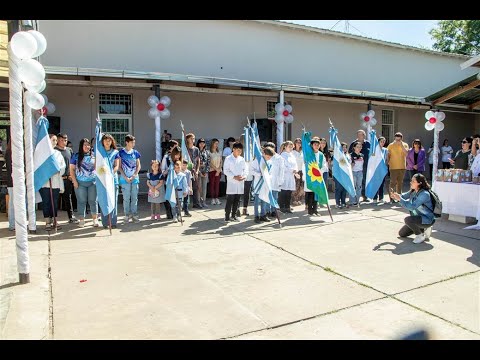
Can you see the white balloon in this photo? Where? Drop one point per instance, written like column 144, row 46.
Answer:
column 373, row 121
column 23, row 44
column 440, row 126
column 279, row 118
column 440, row 115
column 153, row 112
column 165, row 100
column 362, row 116
column 289, row 119
column 31, row 72
column 279, row 108
column 370, row 113
column 36, row 88
column 50, row 108
column 152, row 101
column 44, row 98
column 41, row 42
column 34, row 100
column 365, row 124
column 429, row 126
column 288, row 108
column 165, row 113
column 429, row 114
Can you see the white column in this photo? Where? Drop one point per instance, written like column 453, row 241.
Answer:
column 18, row 173
column 280, row 126
column 435, row 157
column 158, row 143
column 32, row 226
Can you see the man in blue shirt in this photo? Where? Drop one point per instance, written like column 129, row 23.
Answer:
column 129, row 180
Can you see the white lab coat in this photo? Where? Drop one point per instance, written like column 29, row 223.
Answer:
column 255, row 172
column 234, row 166
column 290, row 166
column 277, row 171
column 317, row 157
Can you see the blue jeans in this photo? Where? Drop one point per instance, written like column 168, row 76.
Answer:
column 11, row 212
column 340, row 193
column 114, row 211
column 86, row 192
column 47, row 202
column 275, row 196
column 262, row 204
column 130, row 198
column 357, row 181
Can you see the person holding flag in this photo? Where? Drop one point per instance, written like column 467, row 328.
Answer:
column 378, row 198
column 376, row 168
column 130, row 167
column 106, row 165
column 315, row 187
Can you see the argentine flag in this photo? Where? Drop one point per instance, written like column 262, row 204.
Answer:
column 376, row 168
column 342, row 168
column 44, row 164
column 170, row 191
column 185, row 154
column 263, row 187
column 247, row 148
column 105, row 183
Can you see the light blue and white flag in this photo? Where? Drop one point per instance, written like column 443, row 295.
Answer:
column 185, row 154
column 342, row 168
column 247, row 148
column 170, row 190
column 44, row 164
column 376, row 168
column 105, row 183
column 264, row 187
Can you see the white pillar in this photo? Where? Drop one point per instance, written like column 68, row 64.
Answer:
column 32, row 226
column 18, row 173
column 158, row 143
column 435, row 157
column 280, row 126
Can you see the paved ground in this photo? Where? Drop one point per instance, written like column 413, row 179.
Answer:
column 310, row 279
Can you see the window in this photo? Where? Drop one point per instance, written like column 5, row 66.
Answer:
column 388, row 125
column 116, row 115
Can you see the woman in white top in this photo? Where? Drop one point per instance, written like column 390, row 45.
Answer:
column 476, row 155
column 277, row 174
column 290, row 173
column 215, row 172
column 447, row 152
column 49, row 209
column 298, row 196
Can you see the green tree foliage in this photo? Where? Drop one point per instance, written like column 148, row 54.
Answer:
column 457, row 36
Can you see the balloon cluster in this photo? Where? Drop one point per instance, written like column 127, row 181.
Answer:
column 368, row 119
column 159, row 107
column 283, row 113
column 26, row 45
column 435, row 120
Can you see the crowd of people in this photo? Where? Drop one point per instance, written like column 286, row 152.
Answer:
column 287, row 174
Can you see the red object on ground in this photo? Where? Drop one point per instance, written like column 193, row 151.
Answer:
column 83, row 280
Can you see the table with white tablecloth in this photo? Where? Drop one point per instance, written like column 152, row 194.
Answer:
column 459, row 199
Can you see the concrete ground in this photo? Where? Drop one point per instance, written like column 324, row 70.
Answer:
column 310, row 279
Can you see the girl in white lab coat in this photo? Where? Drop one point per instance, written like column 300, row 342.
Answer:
column 290, row 172
column 236, row 171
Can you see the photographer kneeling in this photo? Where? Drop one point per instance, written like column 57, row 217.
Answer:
column 419, row 203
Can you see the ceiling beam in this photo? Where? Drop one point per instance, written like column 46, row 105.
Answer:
column 474, row 105
column 456, row 92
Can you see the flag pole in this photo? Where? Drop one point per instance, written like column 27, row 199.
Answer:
column 110, row 223
column 329, row 211
column 53, row 206
column 278, row 217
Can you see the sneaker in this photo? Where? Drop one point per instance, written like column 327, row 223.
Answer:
column 265, row 218
column 257, row 220
column 218, row 201
column 380, row 203
column 419, row 238
column 153, row 217
column 213, row 202
column 81, row 223
column 175, row 219
column 125, row 219
column 245, row 212
column 338, row 206
column 187, row 213
column 227, row 219
column 428, row 232
column 157, row 217
column 73, row 221
column 204, row 204
column 375, row 201
column 95, row 222
column 234, row 218
column 135, row 219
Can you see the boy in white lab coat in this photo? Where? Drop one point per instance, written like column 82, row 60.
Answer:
column 236, row 171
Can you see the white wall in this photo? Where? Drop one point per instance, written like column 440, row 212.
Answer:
column 249, row 51
column 221, row 116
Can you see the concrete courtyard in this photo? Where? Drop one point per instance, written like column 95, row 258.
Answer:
column 310, row 279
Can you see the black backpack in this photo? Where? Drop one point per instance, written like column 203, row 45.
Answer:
column 437, row 204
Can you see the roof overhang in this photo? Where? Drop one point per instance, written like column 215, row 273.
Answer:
column 474, row 61
column 465, row 94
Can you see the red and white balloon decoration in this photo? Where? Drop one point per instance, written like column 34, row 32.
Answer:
column 159, row 107
column 435, row 120
column 368, row 119
column 283, row 113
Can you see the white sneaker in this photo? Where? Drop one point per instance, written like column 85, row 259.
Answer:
column 213, row 202
column 175, row 219
column 380, row 203
column 135, row 219
column 95, row 222
column 81, row 223
column 125, row 219
column 419, row 239
column 428, row 232
column 218, row 202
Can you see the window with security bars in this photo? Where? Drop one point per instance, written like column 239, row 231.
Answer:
column 116, row 115
column 388, row 125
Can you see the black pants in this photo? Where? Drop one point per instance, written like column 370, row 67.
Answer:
column 246, row 193
column 379, row 194
column 67, row 197
column 431, row 171
column 232, row 205
column 446, row 165
column 312, row 205
column 284, row 199
column 413, row 225
column 168, row 209
column 364, row 179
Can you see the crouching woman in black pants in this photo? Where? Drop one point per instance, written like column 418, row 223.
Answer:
column 419, row 203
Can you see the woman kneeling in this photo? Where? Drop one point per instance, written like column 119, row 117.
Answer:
column 419, row 203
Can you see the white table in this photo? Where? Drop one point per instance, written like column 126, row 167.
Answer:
column 459, row 199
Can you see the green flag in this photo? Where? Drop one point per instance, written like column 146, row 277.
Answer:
column 314, row 176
